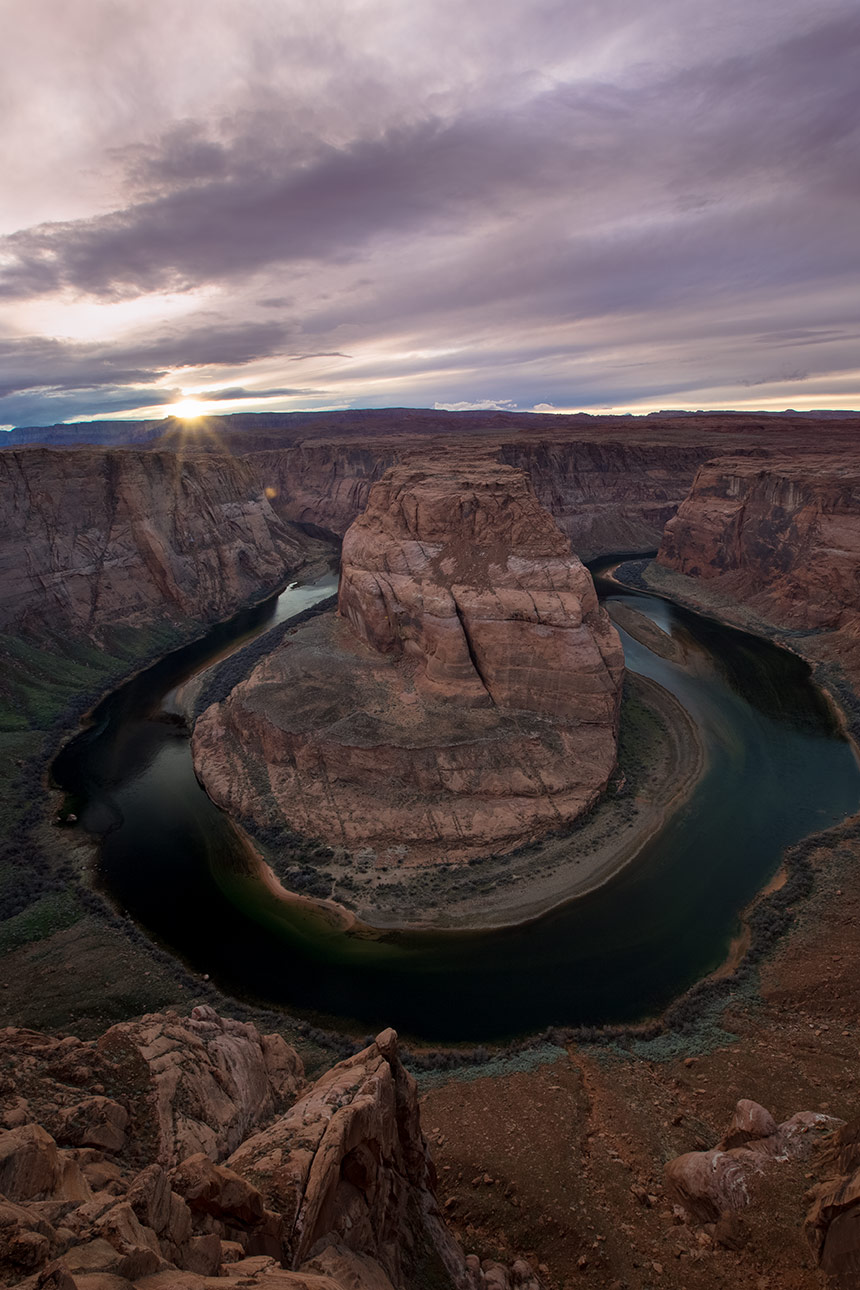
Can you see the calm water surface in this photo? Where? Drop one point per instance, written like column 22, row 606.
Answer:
column 777, row 770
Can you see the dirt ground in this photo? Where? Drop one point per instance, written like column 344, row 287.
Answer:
column 563, row 1164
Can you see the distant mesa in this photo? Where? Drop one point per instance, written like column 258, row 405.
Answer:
column 465, row 701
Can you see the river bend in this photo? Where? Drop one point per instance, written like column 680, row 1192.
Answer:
column 778, row 769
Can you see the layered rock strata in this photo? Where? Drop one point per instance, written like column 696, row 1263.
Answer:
column 334, row 1189
column 782, row 535
column 99, row 537
column 781, row 538
column 467, row 699
column 605, row 496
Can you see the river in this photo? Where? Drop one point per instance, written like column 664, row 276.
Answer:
column 778, row 769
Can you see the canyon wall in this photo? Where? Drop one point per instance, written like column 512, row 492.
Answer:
column 781, row 535
column 610, row 495
column 99, row 537
column 322, row 484
column 605, row 496
column 465, row 702
column 200, row 521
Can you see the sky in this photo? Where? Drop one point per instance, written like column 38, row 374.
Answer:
column 586, row 205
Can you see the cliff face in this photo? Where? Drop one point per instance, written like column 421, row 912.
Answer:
column 466, row 702
column 324, row 484
column 781, row 535
column 98, row 537
column 461, row 569
column 605, row 496
column 611, row 495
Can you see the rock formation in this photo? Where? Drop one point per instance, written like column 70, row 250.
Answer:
column 714, row 1185
column 833, row 1222
column 780, row 535
column 95, row 538
column 334, row 1190
column 466, row 701
column 615, row 495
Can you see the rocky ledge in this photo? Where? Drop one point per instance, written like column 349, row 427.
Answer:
column 465, row 701
column 187, row 1153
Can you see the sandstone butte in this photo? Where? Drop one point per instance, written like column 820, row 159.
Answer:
column 466, row 699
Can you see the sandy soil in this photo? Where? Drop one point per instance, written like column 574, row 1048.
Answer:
column 642, row 629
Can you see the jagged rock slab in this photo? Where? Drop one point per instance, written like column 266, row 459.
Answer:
column 334, row 1189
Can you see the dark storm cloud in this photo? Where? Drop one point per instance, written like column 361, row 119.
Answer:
column 34, row 362
column 238, row 393
column 499, row 203
column 214, row 342
column 703, row 135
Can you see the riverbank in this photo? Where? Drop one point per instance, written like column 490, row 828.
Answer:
column 661, row 760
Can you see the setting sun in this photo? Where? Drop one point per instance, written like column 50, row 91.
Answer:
column 187, row 409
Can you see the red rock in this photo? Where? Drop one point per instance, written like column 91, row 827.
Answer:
column 93, row 537
column 346, row 1173
column 709, row 1184
column 208, row 1188
column 347, row 1269
column 213, row 1078
column 150, row 1197
column 490, row 682
column 833, row 1222
column 95, row 1122
column 750, row 1120
column 780, row 534
column 31, row 1167
column 349, row 1160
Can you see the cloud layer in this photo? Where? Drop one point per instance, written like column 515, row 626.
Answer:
column 519, row 204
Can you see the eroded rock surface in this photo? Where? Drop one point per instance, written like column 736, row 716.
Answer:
column 467, row 700
column 94, row 538
column 781, row 534
column 833, row 1222
column 334, row 1191
column 714, row 1185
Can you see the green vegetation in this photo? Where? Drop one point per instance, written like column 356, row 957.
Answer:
column 641, row 734
column 41, row 681
column 46, row 915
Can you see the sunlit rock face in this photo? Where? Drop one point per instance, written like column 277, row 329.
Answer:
column 465, row 701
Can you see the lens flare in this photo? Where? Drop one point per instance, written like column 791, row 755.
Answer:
column 187, row 409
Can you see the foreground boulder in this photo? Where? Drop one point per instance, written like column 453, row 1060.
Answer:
column 833, row 1222
column 713, row 1186
column 332, row 1190
column 489, row 682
